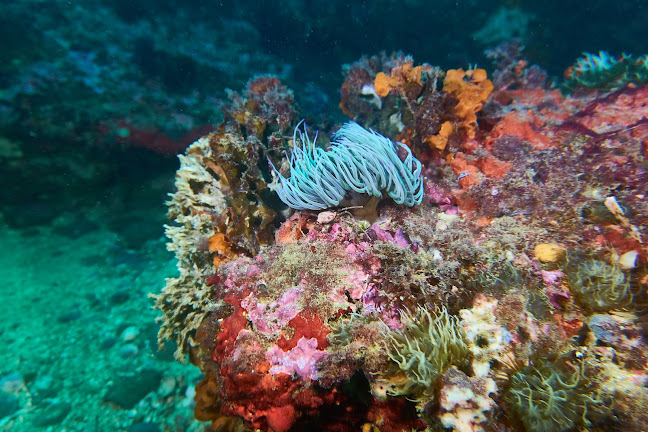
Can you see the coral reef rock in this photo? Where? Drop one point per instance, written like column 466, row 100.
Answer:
column 511, row 296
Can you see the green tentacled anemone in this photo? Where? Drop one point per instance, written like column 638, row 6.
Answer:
column 429, row 342
column 548, row 398
column 600, row 286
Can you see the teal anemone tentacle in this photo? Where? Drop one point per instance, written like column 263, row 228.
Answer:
column 359, row 160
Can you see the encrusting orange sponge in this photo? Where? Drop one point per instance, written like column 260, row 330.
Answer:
column 400, row 76
column 220, row 244
column 471, row 88
column 440, row 140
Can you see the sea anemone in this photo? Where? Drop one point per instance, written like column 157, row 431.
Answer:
column 546, row 398
column 605, row 71
column 359, row 160
column 600, row 286
column 428, row 343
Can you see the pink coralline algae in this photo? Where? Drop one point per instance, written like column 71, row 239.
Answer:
column 271, row 317
column 302, row 360
column 551, row 278
column 443, row 199
column 398, row 237
column 557, row 294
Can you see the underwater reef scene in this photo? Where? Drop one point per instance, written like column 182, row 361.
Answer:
column 486, row 273
column 323, row 216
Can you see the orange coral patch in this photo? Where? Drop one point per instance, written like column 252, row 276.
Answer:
column 220, row 244
column 263, row 84
column 470, row 171
column 622, row 111
column 440, row 140
column 405, row 137
column 461, row 166
column 464, row 201
column 478, row 75
column 471, row 88
column 281, row 419
column 484, row 222
column 382, row 83
column 400, row 75
column 293, row 229
column 515, row 125
column 493, row 168
column 571, row 327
